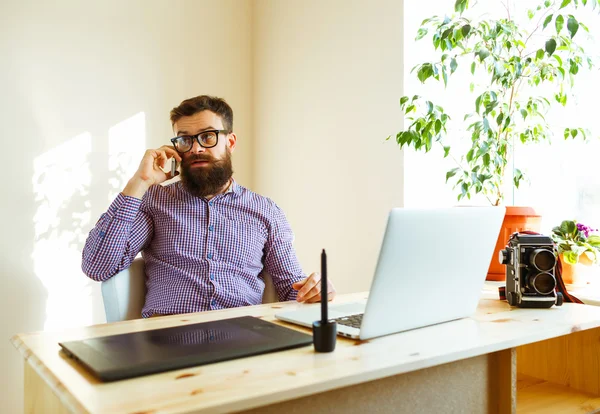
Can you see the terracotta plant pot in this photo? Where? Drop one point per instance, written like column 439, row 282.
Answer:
column 579, row 274
column 516, row 219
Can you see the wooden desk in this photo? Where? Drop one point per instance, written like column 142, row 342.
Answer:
column 468, row 365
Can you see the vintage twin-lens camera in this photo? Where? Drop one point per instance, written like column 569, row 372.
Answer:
column 530, row 261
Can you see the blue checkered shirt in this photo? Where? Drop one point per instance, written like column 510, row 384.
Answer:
column 199, row 254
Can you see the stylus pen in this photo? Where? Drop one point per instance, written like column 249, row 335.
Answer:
column 323, row 287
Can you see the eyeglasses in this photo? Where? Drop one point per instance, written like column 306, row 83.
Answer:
column 206, row 139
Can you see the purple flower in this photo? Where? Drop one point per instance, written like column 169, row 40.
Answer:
column 586, row 230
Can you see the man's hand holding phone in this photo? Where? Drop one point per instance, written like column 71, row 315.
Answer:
column 151, row 171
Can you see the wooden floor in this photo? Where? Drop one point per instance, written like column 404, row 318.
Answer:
column 539, row 396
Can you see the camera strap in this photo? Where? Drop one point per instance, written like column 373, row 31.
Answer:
column 560, row 284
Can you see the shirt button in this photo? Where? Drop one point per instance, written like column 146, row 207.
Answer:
column 210, row 203
column 211, row 227
column 210, row 255
column 212, row 277
column 213, row 302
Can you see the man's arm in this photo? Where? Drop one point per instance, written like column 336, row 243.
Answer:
column 282, row 264
column 281, row 261
column 125, row 228
column 116, row 239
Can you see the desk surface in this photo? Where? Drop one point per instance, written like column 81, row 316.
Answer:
column 266, row 379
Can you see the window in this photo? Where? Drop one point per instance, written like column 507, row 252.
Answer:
column 562, row 179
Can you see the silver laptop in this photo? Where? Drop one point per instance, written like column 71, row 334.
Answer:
column 431, row 269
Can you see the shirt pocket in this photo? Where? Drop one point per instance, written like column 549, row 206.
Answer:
column 242, row 243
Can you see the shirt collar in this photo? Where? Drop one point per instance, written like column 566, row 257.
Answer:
column 234, row 187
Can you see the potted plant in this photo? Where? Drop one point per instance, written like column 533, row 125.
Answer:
column 512, row 61
column 578, row 250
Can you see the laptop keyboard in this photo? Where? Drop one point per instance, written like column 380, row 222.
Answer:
column 353, row 320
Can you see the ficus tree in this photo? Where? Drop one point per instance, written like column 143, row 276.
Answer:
column 515, row 60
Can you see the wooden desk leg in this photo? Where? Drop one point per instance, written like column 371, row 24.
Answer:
column 503, row 381
column 39, row 398
column 483, row 384
column 572, row 360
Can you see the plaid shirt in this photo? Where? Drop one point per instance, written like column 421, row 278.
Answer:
column 199, row 254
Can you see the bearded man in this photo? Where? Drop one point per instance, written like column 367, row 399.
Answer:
column 205, row 239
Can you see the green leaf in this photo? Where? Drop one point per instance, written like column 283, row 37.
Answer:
column 486, row 159
column 547, row 20
column 421, row 34
column 572, row 26
column 453, row 65
column 559, row 23
column 425, row 72
column 403, row 100
column 539, row 54
column 518, row 176
column 461, row 5
column 573, row 133
column 445, row 76
column 570, row 257
column 429, row 106
column 567, row 132
column 482, row 53
column 565, row 3
column 446, row 152
column 451, row 173
column 478, row 103
column 438, row 126
column 465, row 30
column 499, row 69
column 568, row 227
column 594, row 240
column 470, row 155
column 499, row 118
column 550, row 46
column 524, row 113
column 486, row 124
column 558, row 59
column 473, row 68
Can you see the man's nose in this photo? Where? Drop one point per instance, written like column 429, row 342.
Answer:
column 197, row 148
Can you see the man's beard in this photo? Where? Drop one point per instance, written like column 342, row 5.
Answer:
column 209, row 179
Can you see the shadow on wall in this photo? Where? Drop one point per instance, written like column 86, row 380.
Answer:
column 62, row 178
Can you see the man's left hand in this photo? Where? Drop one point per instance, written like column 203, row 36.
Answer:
column 309, row 289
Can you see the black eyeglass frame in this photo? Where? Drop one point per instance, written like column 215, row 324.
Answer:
column 197, row 138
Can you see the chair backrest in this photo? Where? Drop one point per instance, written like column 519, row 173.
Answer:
column 124, row 294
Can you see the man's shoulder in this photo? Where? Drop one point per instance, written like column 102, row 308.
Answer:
column 250, row 197
column 161, row 192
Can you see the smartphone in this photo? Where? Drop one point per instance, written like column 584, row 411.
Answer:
column 173, row 167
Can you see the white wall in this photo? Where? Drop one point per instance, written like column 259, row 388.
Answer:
column 327, row 82
column 84, row 88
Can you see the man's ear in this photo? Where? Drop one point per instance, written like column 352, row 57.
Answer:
column 231, row 141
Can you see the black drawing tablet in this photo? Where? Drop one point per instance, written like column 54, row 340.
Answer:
column 134, row 354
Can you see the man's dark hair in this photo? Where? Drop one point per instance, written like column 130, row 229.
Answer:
column 201, row 103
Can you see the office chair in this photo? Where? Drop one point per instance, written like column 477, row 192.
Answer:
column 124, row 294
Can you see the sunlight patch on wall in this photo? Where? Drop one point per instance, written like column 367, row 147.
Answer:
column 126, row 146
column 61, row 180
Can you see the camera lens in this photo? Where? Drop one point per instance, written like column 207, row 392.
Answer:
column 543, row 283
column 543, row 260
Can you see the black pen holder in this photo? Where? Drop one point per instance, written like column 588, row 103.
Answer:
column 324, row 336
